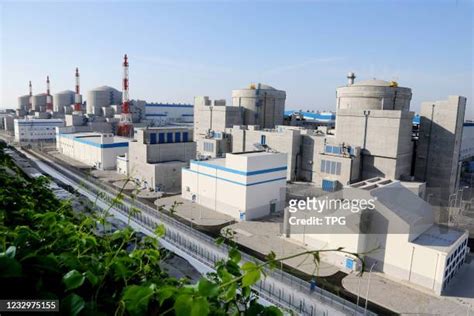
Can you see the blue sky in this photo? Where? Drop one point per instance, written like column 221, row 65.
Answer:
column 178, row 50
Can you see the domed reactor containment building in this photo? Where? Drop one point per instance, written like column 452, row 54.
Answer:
column 375, row 115
column 262, row 105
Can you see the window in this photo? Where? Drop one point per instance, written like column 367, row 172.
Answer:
column 153, row 138
column 263, row 140
column 185, row 137
column 177, row 137
column 332, row 149
column 208, row 147
column 169, row 137
column 161, row 138
column 331, row 167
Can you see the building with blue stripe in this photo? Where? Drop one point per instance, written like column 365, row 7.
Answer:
column 165, row 113
column 92, row 149
column 245, row 186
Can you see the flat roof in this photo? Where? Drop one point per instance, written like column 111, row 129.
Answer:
column 252, row 153
column 439, row 237
column 214, row 162
column 94, row 139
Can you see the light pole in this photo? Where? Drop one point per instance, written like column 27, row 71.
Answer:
column 368, row 287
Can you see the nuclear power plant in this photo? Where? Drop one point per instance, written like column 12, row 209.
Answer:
column 244, row 161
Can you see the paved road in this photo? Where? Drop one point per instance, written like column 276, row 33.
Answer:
column 201, row 251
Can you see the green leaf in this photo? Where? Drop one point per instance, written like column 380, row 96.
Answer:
column 73, row 279
column 219, row 240
column 160, row 230
column 207, row 288
column 9, row 267
column 183, row 305
column 272, row 264
column 234, row 255
column 251, row 277
column 165, row 292
column 137, row 298
column 199, row 307
column 252, row 274
column 272, row 311
column 10, row 252
column 91, row 277
column 249, row 266
column 73, row 304
column 229, row 294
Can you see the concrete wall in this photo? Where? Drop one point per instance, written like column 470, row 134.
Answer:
column 285, row 140
column 439, row 146
column 261, row 104
column 214, row 116
column 387, row 138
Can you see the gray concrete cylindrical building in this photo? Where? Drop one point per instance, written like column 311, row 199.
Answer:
column 62, row 99
column 39, row 102
column 373, row 95
column 24, row 102
column 100, row 97
column 263, row 105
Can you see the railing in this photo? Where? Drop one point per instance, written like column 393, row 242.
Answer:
column 203, row 248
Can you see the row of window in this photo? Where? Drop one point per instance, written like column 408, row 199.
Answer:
column 169, row 137
column 454, row 262
column 338, row 150
column 208, row 147
column 331, row 167
column 457, row 251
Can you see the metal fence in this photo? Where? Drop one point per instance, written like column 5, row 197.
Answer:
column 297, row 297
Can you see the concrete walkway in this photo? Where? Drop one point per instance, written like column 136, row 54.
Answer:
column 193, row 212
column 264, row 237
column 407, row 300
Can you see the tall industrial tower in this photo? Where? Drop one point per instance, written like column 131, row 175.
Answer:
column 77, row 96
column 125, row 126
column 30, row 100
column 49, row 100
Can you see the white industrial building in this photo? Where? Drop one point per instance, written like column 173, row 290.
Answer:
column 245, row 186
column 34, row 130
column 93, row 149
column 157, row 155
column 399, row 234
column 165, row 113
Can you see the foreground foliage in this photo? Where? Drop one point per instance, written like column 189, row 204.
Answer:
column 48, row 251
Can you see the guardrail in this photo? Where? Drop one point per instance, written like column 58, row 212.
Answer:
column 272, row 288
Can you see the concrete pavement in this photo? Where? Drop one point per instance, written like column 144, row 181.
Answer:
column 405, row 299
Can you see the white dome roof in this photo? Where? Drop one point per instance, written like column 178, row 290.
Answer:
column 373, row 82
column 65, row 92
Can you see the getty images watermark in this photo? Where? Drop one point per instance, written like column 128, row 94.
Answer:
column 331, row 206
